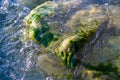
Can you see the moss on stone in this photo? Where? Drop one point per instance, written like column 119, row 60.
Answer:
column 67, row 44
column 65, row 31
column 32, row 33
column 40, row 12
column 46, row 38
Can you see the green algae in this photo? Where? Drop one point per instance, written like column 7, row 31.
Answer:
column 65, row 45
column 75, row 44
column 40, row 12
column 32, row 33
column 66, row 37
column 46, row 38
column 103, row 69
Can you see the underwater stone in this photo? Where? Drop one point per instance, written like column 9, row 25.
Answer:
column 71, row 29
column 71, row 41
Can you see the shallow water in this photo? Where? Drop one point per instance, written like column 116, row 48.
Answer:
column 17, row 58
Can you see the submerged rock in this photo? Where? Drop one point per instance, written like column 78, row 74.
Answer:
column 49, row 66
column 101, row 61
column 66, row 44
column 66, row 30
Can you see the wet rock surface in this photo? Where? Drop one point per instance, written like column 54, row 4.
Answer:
column 84, row 38
column 101, row 61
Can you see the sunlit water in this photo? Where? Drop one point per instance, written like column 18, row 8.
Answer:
column 17, row 58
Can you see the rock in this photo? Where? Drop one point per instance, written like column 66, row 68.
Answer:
column 67, row 31
column 101, row 61
column 67, row 44
column 50, row 65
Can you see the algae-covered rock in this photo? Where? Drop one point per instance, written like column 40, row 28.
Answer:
column 67, row 48
column 65, row 38
column 66, row 30
column 102, row 59
column 40, row 12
